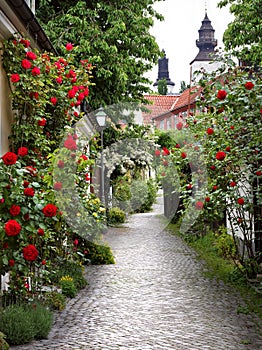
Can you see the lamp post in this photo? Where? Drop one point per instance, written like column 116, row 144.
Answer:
column 101, row 120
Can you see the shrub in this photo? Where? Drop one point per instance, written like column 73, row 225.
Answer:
column 150, row 197
column 116, row 216
column 55, row 300
column 72, row 269
column 3, row 343
column 42, row 319
column 22, row 323
column 68, row 286
column 99, row 254
column 226, row 246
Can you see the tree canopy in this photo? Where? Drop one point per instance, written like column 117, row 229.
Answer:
column 114, row 36
column 244, row 34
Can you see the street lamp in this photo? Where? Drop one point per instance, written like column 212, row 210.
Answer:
column 101, row 120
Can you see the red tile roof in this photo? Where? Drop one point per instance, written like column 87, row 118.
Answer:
column 160, row 104
column 187, row 98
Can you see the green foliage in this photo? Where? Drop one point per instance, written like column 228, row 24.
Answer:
column 226, row 245
column 68, row 286
column 22, row 323
column 54, row 300
column 73, row 270
column 115, row 38
column 162, row 87
column 3, row 344
column 243, row 35
column 143, row 195
column 116, row 216
column 99, row 253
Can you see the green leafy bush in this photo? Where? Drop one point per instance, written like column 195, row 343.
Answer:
column 99, row 253
column 22, row 323
column 72, row 269
column 226, row 246
column 68, row 287
column 116, row 216
column 55, row 300
column 143, row 195
column 3, row 344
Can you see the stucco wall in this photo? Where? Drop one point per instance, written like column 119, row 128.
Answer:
column 5, row 110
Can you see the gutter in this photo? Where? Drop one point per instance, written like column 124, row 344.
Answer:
column 24, row 13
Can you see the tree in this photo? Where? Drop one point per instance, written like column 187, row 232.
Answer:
column 243, row 35
column 183, row 86
column 162, row 87
column 114, row 37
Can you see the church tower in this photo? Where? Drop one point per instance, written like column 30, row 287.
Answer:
column 163, row 73
column 206, row 45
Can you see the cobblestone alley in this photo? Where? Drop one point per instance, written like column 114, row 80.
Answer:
column 155, row 297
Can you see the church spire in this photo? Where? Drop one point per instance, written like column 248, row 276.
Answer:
column 163, row 72
column 206, row 42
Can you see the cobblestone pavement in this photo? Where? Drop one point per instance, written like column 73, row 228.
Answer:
column 155, row 297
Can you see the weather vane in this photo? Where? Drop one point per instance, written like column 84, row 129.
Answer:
column 205, row 5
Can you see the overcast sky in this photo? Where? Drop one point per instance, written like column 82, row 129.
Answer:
column 178, row 33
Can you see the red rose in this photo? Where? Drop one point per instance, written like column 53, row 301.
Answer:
column 177, row 145
column 215, row 188
column 30, row 252
column 5, row 245
column 9, row 158
column 12, row 228
column 232, row 127
column 232, row 184
column 36, row 71
column 199, row 205
column 22, row 151
column 249, row 85
column 212, row 167
column 41, row 122
column 69, row 47
column 15, row 78
column 81, row 158
column 183, row 155
column 26, row 183
column 76, row 242
column 179, row 126
column 31, row 55
column 34, row 94
column 60, row 164
column 258, row 173
column 15, row 210
column 59, row 80
column 26, row 217
column 53, row 100
column 76, row 114
column 81, row 96
column 70, row 144
column 71, row 93
column 165, row 152
column 49, row 210
column 228, row 149
column 25, row 42
column 40, row 232
column 221, row 94
column 210, row 131
column 86, row 92
column 87, row 177
column 29, row 192
column 43, row 262
column 26, row 64
column 31, row 170
column 220, row 155
column 241, row 201
column 207, row 199
column 189, row 186
column 58, row 186
column 11, row 262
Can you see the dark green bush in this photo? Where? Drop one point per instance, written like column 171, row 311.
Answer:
column 54, row 300
column 72, row 269
column 99, row 253
column 22, row 323
column 116, row 216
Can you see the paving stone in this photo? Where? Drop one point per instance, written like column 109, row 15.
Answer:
column 155, row 297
